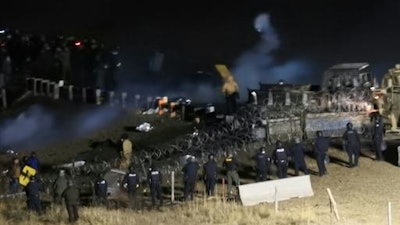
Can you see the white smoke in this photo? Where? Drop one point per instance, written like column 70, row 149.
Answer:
column 37, row 127
column 259, row 65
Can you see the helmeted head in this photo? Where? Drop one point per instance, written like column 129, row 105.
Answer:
column 70, row 183
column 278, row 144
column 349, row 126
column 33, row 178
column 262, row 150
column 152, row 167
column 61, row 173
column 211, row 156
column 319, row 133
column 124, row 136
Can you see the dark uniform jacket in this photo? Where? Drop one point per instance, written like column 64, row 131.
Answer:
column 132, row 181
column 210, row 170
column 101, row 186
column 263, row 161
column 190, row 171
column 230, row 163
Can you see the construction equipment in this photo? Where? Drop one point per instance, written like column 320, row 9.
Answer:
column 387, row 97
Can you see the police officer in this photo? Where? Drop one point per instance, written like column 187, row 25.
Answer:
column 131, row 184
column 210, row 175
column 190, row 171
column 59, row 185
column 263, row 163
column 32, row 191
column 377, row 135
column 351, row 144
column 154, row 179
column 231, row 165
column 100, row 190
column 280, row 157
column 71, row 198
column 297, row 152
column 321, row 146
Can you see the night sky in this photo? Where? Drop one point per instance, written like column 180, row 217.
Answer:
column 315, row 34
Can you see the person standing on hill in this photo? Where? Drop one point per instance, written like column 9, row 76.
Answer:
column 131, row 184
column 32, row 191
column 321, row 146
column 154, row 178
column 351, row 144
column 190, row 171
column 13, row 174
column 231, row 165
column 280, row 157
column 231, row 91
column 377, row 135
column 263, row 164
column 33, row 161
column 210, row 169
column 59, row 186
column 126, row 152
column 71, row 198
column 297, row 152
column 100, row 190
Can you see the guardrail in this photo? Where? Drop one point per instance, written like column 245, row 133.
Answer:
column 57, row 90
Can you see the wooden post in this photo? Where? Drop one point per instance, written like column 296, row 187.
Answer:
column 124, row 95
column 172, row 187
column 149, row 100
column 389, row 213
column 398, row 155
column 270, row 98
column 27, row 80
column 41, row 87
column 56, row 91
column 4, row 98
column 98, row 97
column 46, row 87
column 254, row 95
column 304, row 99
column 71, row 92
column 35, row 80
column 111, row 98
column 137, row 99
column 333, row 204
column 287, row 99
column 276, row 199
column 84, row 97
column 223, row 188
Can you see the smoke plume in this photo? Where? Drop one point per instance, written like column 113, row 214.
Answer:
column 259, row 65
column 38, row 126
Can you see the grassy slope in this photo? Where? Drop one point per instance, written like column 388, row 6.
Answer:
column 362, row 193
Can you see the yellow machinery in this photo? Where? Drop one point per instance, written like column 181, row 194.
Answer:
column 387, row 98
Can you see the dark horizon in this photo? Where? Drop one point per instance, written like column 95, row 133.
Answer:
column 313, row 35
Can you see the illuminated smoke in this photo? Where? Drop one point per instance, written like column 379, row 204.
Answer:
column 259, row 65
column 37, row 127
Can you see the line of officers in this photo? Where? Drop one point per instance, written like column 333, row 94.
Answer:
column 280, row 157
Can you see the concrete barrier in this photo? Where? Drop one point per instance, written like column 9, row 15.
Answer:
column 275, row 190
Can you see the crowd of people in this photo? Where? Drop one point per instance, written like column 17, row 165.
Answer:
column 82, row 62
column 66, row 193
